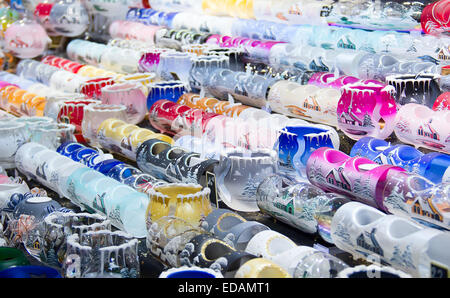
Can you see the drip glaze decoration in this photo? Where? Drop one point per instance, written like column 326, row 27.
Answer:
column 93, row 88
column 261, row 268
column 421, row 89
column 420, row 126
column 296, row 143
column 72, row 112
column 169, row 90
column 48, row 241
column 367, row 110
column 301, row 205
column 358, row 177
column 239, row 174
column 433, row 166
column 407, row 246
column 186, row 201
column 167, row 237
column 101, row 254
column 202, row 68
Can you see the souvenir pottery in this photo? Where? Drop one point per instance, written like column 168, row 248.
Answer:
column 30, row 272
column 52, row 135
column 93, row 191
column 14, row 135
column 433, row 166
column 261, row 268
column 125, row 139
column 205, row 251
column 235, row 56
column 69, row 18
column 268, row 244
column 9, row 188
column 150, row 59
column 220, row 221
column 12, row 257
column 358, row 177
column 296, row 143
column 238, row 176
column 442, row 102
column 415, row 197
column 175, row 66
column 420, row 126
column 372, row 271
column 38, row 207
column 249, row 89
column 203, row 67
column 167, row 237
column 190, row 272
column 433, row 18
column 129, row 94
column 300, row 205
column 44, row 165
column 101, row 254
column 120, row 60
column 421, row 89
column 367, row 110
column 307, row 102
column 54, row 103
column 155, row 156
column 95, row 114
column 169, row 90
column 93, row 88
column 72, row 112
column 185, row 201
column 26, row 39
column 240, row 234
column 66, row 81
column 62, row 63
column 51, row 236
column 407, row 246
column 307, row 262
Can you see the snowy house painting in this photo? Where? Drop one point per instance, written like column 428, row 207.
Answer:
column 337, row 178
column 289, row 207
column 444, row 54
column 426, row 208
column 371, row 244
column 346, row 43
column 311, row 104
column 428, row 132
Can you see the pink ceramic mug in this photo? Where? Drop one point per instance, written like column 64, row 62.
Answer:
column 130, row 95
